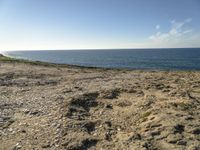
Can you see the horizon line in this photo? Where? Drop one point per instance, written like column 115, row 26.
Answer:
column 99, row 49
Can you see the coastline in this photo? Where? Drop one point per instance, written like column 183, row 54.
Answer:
column 9, row 59
column 55, row 106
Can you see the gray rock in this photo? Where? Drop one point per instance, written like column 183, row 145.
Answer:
column 196, row 131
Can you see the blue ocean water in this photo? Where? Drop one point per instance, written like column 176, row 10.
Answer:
column 162, row 59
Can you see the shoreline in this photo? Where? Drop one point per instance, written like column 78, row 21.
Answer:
column 10, row 59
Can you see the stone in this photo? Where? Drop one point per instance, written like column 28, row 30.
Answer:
column 174, row 138
column 196, row 131
column 178, row 128
column 181, row 142
column 110, row 94
column 17, row 146
column 109, row 106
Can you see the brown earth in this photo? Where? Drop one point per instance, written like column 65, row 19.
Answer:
column 77, row 108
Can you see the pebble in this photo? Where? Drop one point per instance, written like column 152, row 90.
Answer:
column 53, row 124
column 181, row 142
column 10, row 129
column 95, row 134
column 196, row 131
column 109, row 106
column 23, row 131
column 58, row 126
column 1, row 119
column 26, row 111
column 17, row 146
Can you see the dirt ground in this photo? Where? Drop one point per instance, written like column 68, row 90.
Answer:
column 74, row 108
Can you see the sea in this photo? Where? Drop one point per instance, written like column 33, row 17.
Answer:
column 142, row 59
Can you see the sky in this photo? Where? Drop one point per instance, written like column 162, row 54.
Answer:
column 98, row 24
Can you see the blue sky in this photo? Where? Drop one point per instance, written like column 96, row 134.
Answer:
column 83, row 24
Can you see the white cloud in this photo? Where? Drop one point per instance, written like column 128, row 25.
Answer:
column 177, row 32
column 188, row 20
column 157, row 27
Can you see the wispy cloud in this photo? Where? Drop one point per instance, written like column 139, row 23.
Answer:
column 176, row 31
column 157, row 26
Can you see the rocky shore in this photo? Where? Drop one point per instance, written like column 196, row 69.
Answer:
column 64, row 107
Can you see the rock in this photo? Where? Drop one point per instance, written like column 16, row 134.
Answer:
column 156, row 125
column 46, row 145
column 135, row 136
column 196, row 131
column 1, row 119
column 124, row 104
column 174, row 138
column 79, row 106
column 10, row 129
column 109, row 106
column 194, row 146
column 26, row 111
column 67, row 91
column 149, row 100
column 110, row 94
column 178, row 128
column 145, row 145
column 17, row 147
column 89, row 126
column 23, row 131
column 54, row 124
column 155, row 133
column 181, row 143
column 108, row 136
column 78, row 144
column 58, row 126
column 35, row 113
column 56, row 145
column 108, row 123
column 189, row 118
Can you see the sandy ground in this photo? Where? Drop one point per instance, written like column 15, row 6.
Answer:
column 80, row 108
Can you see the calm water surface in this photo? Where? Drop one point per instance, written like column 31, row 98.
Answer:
column 162, row 59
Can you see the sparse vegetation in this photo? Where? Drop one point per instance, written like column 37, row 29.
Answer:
column 145, row 115
column 182, row 105
column 14, row 60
